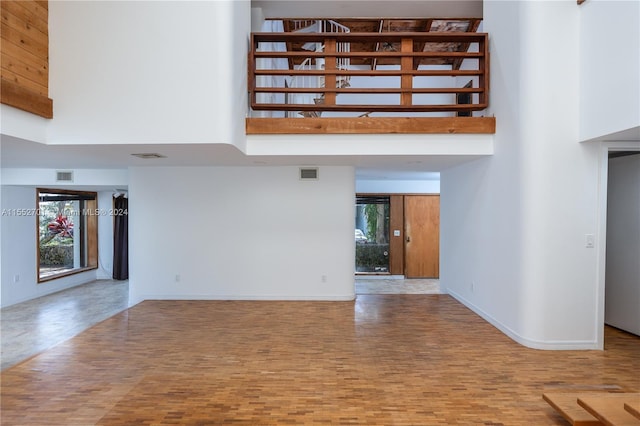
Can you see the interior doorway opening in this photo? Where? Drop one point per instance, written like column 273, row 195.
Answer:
column 397, row 235
column 622, row 272
column 604, row 236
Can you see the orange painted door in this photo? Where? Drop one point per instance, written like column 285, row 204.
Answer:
column 422, row 236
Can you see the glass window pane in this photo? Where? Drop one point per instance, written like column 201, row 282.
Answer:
column 372, row 234
column 66, row 223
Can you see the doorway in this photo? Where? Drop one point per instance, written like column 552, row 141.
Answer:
column 398, row 235
column 602, row 237
column 622, row 275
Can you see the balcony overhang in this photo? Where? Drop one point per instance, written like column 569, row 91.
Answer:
column 372, row 125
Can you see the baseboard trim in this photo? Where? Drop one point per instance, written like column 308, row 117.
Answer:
column 557, row 345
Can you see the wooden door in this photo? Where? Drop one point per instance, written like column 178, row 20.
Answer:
column 422, row 236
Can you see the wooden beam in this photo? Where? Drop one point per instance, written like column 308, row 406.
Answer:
column 395, row 37
column 326, row 54
column 473, row 27
column 371, row 125
column 369, row 107
column 422, row 44
column 366, row 90
column 18, row 97
column 367, row 73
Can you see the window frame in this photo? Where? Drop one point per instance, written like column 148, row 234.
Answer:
column 89, row 216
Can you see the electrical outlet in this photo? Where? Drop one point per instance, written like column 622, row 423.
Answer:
column 473, row 286
column 323, row 278
column 590, row 241
column 16, row 278
column 177, row 278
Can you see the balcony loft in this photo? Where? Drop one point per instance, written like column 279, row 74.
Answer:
column 338, row 81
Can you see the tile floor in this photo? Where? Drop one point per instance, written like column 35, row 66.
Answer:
column 32, row 327
column 382, row 285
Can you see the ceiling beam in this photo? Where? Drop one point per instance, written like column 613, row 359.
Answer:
column 473, row 27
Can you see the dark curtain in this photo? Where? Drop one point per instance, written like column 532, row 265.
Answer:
column 121, row 238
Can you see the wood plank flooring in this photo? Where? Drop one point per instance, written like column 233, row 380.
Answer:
column 381, row 360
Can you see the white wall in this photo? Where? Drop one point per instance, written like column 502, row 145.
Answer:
column 396, row 186
column 622, row 297
column 480, row 202
column 19, row 269
column 147, row 72
column 19, row 232
column 469, row 145
column 241, row 232
column 514, row 225
column 235, row 103
column 609, row 67
column 22, row 124
column 82, row 178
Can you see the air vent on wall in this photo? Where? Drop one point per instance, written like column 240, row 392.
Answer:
column 64, row 176
column 308, row 173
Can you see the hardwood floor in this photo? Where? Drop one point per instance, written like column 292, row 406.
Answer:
column 381, row 360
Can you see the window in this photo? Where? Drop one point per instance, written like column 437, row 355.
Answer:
column 372, row 234
column 67, row 228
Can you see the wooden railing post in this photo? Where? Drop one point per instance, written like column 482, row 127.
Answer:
column 251, row 76
column 330, row 65
column 406, row 66
column 483, row 65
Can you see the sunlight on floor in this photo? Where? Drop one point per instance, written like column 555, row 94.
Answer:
column 383, row 285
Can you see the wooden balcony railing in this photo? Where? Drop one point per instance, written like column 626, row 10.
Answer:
column 405, row 72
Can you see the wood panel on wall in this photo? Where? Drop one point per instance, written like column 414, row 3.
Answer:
column 92, row 234
column 24, row 62
column 396, row 243
column 422, row 236
column 369, row 125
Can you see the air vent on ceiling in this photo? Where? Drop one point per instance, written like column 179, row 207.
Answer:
column 149, row 155
column 64, row 176
column 308, row 173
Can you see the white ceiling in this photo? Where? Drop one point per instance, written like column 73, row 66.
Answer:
column 19, row 153
column 367, row 9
